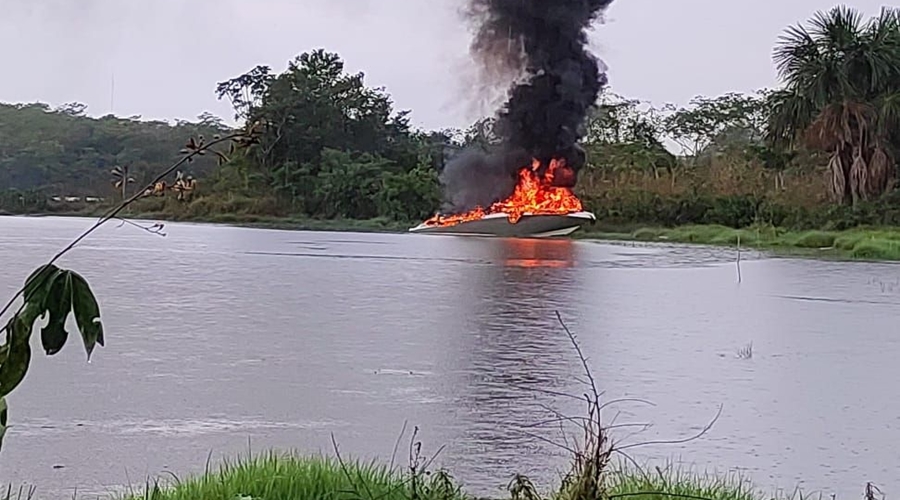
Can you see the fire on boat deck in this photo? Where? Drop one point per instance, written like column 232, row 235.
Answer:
column 498, row 224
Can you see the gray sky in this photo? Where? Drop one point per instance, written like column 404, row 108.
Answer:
column 168, row 55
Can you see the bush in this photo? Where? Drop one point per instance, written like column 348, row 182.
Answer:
column 876, row 249
column 741, row 211
column 815, row 239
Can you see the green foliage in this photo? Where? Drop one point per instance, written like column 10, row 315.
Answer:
column 276, row 476
column 411, row 195
column 63, row 152
column 842, row 97
column 345, row 187
column 334, row 148
column 623, row 133
column 669, row 483
column 857, row 243
column 56, row 294
column 728, row 121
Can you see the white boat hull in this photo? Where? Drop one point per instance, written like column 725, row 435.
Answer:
column 533, row 226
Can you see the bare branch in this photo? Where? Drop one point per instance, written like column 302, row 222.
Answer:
column 587, row 370
column 156, row 228
column 678, row 441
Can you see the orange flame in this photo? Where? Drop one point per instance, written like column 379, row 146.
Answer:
column 534, row 195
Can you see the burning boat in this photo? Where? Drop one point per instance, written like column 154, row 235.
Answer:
column 537, row 208
column 519, row 180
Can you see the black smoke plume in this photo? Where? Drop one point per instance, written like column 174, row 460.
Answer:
column 545, row 42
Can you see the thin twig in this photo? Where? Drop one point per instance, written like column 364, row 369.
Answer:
column 346, row 471
column 547, row 391
column 574, row 340
column 678, row 441
column 581, row 420
column 550, row 441
column 397, row 444
column 626, row 400
column 156, row 228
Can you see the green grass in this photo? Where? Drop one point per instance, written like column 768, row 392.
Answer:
column 276, row 476
column 672, row 484
column 864, row 243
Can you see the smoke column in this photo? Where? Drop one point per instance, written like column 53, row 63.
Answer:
column 545, row 43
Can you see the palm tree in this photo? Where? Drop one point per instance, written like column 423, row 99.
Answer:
column 841, row 96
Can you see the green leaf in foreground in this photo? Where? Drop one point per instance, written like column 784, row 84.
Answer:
column 55, row 293
column 57, row 301
column 17, row 350
column 38, row 282
column 87, row 313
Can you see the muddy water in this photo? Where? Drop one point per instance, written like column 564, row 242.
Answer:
column 222, row 340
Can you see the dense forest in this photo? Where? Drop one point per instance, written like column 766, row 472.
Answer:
column 64, row 152
column 819, row 150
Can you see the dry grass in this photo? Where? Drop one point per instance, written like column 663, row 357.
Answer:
column 720, row 176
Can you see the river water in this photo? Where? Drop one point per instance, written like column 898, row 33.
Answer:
column 223, row 341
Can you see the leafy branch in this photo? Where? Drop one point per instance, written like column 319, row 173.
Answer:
column 54, row 293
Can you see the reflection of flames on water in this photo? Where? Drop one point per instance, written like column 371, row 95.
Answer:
column 538, row 253
column 535, row 194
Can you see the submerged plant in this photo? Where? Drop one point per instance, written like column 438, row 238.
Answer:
column 745, row 352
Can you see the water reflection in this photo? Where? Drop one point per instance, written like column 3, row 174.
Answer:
column 529, row 252
column 512, row 353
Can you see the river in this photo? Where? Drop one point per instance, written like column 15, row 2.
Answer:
column 223, row 341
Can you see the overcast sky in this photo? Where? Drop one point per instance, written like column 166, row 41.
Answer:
column 166, row 56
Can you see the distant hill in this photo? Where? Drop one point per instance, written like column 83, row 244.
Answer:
column 63, row 152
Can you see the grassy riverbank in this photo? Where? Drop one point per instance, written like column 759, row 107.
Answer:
column 290, row 477
column 248, row 220
column 865, row 243
column 287, row 223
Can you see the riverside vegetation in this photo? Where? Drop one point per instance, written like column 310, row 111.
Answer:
column 320, row 145
column 817, row 154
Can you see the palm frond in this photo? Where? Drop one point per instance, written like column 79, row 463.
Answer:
column 789, row 114
column 838, row 29
column 880, row 171
column 888, row 109
column 795, row 50
column 859, row 178
column 837, row 181
column 880, row 57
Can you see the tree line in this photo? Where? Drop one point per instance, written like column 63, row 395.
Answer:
column 332, row 147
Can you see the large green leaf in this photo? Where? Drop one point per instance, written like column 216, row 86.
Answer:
column 56, row 293
column 18, row 356
column 87, row 312
column 58, row 303
column 38, row 283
